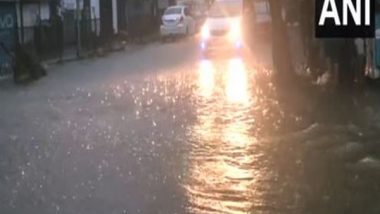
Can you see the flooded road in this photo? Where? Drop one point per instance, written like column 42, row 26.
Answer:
column 222, row 167
column 147, row 132
column 251, row 152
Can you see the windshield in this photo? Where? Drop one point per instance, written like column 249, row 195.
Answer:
column 226, row 9
column 173, row 10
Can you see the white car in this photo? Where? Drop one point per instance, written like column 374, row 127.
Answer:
column 222, row 29
column 177, row 20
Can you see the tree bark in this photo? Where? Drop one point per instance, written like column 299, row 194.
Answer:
column 281, row 55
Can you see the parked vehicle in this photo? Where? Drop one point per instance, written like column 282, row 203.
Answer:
column 177, row 21
column 222, row 30
column 198, row 9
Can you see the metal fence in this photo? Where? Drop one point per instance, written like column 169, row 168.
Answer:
column 5, row 57
column 52, row 37
column 49, row 39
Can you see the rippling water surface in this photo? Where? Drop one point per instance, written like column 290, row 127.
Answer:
column 187, row 136
column 247, row 152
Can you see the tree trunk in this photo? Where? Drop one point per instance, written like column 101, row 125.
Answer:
column 311, row 48
column 282, row 62
column 86, row 24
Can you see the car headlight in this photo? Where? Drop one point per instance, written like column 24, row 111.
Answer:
column 235, row 30
column 205, row 32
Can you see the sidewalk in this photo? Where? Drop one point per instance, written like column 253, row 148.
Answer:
column 70, row 54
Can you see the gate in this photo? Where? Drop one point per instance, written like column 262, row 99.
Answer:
column 8, row 36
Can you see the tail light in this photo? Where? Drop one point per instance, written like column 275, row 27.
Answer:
column 181, row 19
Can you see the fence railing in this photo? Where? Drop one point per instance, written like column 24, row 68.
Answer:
column 7, row 41
column 51, row 40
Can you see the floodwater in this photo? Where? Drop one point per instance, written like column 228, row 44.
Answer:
column 182, row 134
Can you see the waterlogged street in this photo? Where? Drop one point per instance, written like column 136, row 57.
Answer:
column 156, row 129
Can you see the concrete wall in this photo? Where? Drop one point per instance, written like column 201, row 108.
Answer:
column 33, row 12
column 95, row 10
column 72, row 5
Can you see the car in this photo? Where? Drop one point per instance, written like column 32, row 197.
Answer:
column 177, row 21
column 222, row 30
column 197, row 9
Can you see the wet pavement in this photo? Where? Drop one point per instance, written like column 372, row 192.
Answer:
column 159, row 130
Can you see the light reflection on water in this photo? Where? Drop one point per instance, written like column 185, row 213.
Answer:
column 206, row 80
column 237, row 82
column 221, row 177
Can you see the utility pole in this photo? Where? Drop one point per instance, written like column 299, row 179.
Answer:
column 21, row 5
column 78, row 12
column 86, row 24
